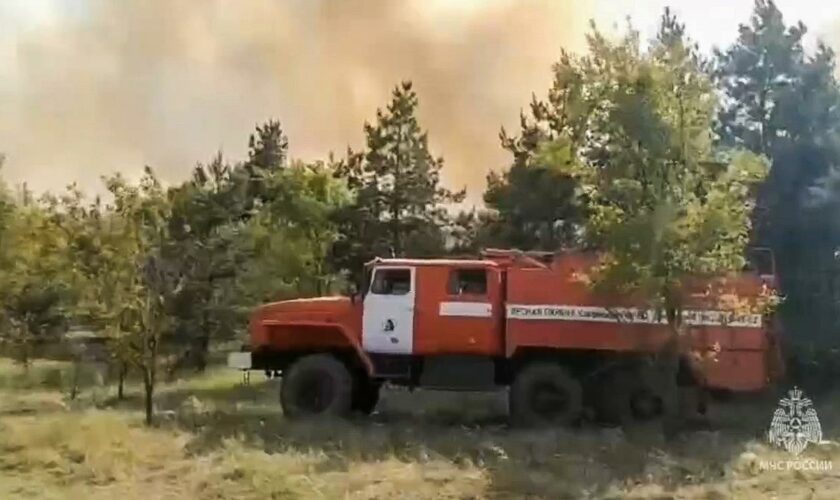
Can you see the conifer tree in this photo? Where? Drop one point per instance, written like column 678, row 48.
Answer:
column 400, row 206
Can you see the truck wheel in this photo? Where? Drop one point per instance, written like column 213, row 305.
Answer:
column 624, row 395
column 317, row 384
column 646, row 400
column 366, row 396
column 613, row 396
column 646, row 404
column 544, row 394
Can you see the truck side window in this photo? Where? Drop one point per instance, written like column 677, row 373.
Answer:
column 391, row 282
column 468, row 282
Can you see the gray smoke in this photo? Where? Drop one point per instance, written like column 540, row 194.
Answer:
column 117, row 85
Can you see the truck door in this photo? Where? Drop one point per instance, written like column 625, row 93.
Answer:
column 459, row 315
column 388, row 315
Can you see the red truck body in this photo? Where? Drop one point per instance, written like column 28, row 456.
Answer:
column 472, row 323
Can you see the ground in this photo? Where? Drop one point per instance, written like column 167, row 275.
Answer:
column 217, row 438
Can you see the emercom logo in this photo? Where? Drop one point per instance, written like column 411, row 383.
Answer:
column 795, row 423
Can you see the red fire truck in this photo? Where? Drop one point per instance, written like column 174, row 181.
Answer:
column 526, row 321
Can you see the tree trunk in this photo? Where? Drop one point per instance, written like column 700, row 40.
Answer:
column 149, row 372
column 24, row 351
column 121, row 382
column 201, row 352
column 149, row 386
column 669, row 364
column 74, row 389
column 318, row 284
column 203, row 345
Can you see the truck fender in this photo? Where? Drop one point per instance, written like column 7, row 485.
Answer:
column 351, row 340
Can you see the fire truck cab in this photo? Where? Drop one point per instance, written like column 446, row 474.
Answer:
column 526, row 321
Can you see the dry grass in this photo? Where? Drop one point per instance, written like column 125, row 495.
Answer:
column 218, row 439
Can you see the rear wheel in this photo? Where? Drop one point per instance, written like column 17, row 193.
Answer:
column 317, row 384
column 624, row 395
column 366, row 396
column 612, row 396
column 544, row 394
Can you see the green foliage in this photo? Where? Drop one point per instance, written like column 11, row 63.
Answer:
column 268, row 150
column 288, row 239
column 659, row 208
column 242, row 235
column 398, row 203
column 166, row 270
column 205, row 228
column 474, row 230
column 760, row 74
column 783, row 102
column 35, row 285
column 533, row 205
column 154, row 279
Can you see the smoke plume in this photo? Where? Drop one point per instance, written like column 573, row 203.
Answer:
column 112, row 86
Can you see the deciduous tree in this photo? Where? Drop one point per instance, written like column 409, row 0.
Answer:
column 35, row 288
column 662, row 207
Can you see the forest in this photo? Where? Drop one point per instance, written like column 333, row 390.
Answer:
column 669, row 160
column 166, row 272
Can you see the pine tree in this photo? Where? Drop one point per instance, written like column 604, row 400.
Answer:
column 399, row 207
column 532, row 205
column 204, row 233
column 268, row 150
column 784, row 103
column 268, row 147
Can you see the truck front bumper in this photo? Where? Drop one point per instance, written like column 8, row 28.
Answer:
column 239, row 360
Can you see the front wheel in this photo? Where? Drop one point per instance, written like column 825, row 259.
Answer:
column 544, row 394
column 318, row 384
column 366, row 396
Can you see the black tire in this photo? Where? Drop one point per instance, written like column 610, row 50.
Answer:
column 544, row 394
column 646, row 396
column 624, row 395
column 366, row 396
column 612, row 398
column 318, row 384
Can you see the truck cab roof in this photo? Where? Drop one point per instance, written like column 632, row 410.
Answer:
column 433, row 262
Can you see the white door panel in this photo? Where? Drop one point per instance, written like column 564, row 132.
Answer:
column 388, row 317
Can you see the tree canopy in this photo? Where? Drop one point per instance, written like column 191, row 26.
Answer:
column 782, row 102
column 662, row 204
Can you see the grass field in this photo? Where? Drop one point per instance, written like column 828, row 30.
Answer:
column 216, row 438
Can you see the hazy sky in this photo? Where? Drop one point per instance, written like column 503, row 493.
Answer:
column 91, row 87
column 715, row 22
